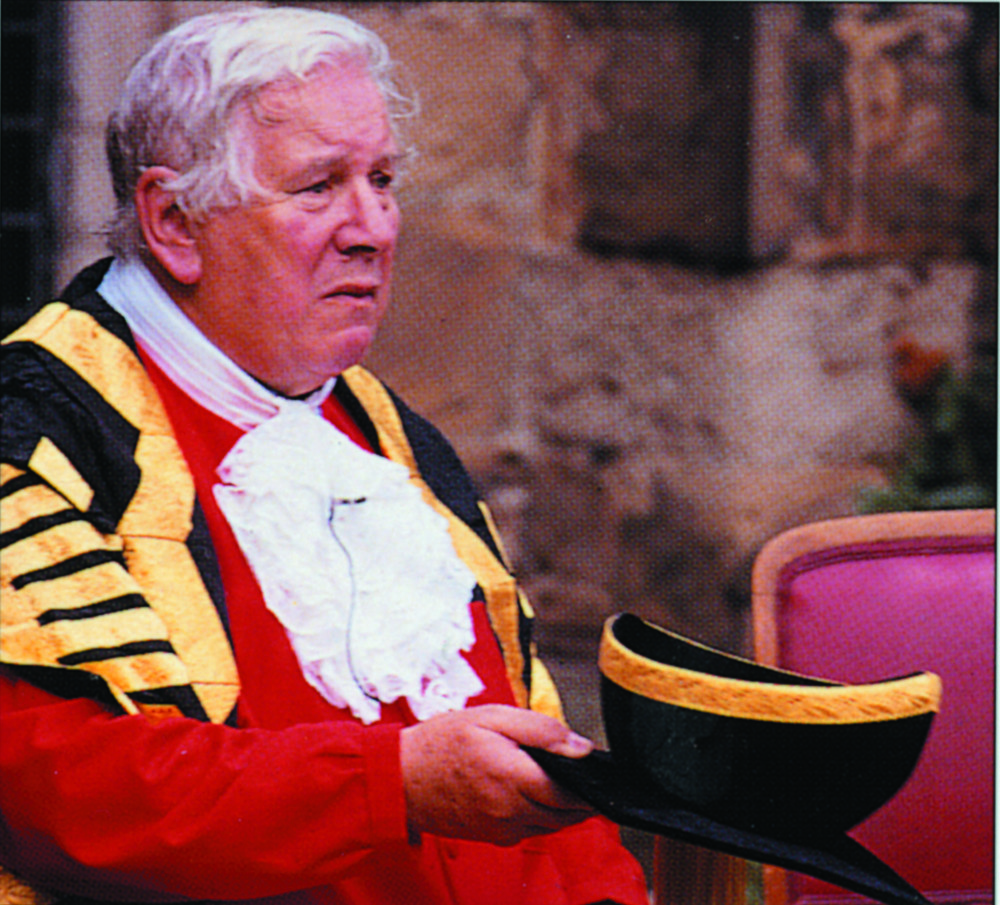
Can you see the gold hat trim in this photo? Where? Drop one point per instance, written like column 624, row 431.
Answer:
column 813, row 705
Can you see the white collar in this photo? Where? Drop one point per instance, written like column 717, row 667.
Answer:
column 185, row 354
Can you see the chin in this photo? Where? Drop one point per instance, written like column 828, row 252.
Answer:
column 350, row 349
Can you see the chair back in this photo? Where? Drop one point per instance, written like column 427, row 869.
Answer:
column 873, row 597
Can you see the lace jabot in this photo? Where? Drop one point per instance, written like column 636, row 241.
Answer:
column 359, row 570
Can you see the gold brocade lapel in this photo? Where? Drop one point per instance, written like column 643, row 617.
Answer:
column 139, row 616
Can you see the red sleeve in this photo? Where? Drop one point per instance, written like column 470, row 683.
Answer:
column 188, row 808
column 595, row 867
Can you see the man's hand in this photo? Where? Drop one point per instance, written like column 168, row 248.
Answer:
column 466, row 777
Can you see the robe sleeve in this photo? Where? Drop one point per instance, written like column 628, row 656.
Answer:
column 156, row 811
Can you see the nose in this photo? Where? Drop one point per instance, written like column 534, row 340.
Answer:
column 369, row 221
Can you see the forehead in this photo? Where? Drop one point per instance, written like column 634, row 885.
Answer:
column 337, row 111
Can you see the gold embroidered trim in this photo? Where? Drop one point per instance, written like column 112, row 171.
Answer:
column 45, row 318
column 104, row 581
column 50, row 462
column 169, row 583
column 817, row 705
column 50, row 546
column 154, row 528
column 544, row 694
column 33, row 501
column 491, row 526
column 140, row 673
column 105, row 362
column 164, row 500
column 14, row 891
column 498, row 585
column 8, row 472
column 29, row 642
column 22, row 606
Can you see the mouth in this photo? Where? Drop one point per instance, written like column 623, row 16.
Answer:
column 359, row 292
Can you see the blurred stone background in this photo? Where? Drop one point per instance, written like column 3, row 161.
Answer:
column 657, row 261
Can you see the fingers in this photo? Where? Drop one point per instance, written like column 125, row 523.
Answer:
column 466, row 776
column 526, row 727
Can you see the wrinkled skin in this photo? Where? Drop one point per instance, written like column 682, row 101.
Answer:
column 466, row 776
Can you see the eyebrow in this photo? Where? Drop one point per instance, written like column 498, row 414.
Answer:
column 326, row 163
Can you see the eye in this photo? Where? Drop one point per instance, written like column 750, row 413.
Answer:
column 317, row 188
column 382, row 180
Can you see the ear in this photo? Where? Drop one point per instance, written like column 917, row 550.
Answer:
column 165, row 227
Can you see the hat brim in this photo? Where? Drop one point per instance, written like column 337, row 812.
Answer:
column 619, row 793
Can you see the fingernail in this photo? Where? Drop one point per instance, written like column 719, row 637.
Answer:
column 577, row 745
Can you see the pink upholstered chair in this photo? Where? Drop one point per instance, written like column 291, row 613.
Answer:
column 868, row 598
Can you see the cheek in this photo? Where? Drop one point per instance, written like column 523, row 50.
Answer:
column 295, row 252
column 284, row 247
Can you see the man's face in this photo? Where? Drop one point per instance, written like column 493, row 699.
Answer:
column 293, row 290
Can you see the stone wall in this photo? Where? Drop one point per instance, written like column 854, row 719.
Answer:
column 640, row 425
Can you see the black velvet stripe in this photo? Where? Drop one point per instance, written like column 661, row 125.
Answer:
column 441, row 468
column 81, row 293
column 66, row 683
column 38, row 525
column 354, row 408
column 199, row 543
column 132, row 649
column 44, row 397
column 437, row 462
column 19, row 483
column 183, row 697
column 524, row 632
column 69, row 567
column 101, row 608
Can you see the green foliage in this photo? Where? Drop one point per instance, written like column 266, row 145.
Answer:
column 953, row 464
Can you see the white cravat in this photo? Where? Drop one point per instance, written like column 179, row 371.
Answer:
column 359, row 570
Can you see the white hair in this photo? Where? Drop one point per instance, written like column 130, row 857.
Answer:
column 178, row 103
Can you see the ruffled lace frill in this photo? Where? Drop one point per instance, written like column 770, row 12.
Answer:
column 359, row 570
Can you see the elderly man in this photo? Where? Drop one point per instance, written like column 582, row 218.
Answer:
column 259, row 640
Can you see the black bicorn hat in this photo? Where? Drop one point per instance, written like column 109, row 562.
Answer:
column 754, row 761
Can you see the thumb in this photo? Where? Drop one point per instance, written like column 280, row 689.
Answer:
column 566, row 742
column 572, row 745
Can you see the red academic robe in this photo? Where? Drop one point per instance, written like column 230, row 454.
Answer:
column 300, row 805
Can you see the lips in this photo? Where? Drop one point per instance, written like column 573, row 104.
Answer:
column 358, row 291
column 357, row 287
